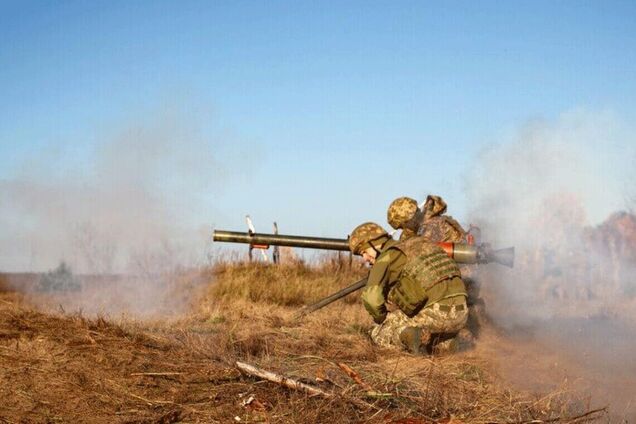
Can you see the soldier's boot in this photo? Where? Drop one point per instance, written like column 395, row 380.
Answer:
column 463, row 341
column 411, row 339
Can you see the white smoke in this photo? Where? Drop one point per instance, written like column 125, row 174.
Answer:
column 583, row 154
column 136, row 200
column 540, row 189
column 545, row 190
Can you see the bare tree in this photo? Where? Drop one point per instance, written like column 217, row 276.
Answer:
column 97, row 252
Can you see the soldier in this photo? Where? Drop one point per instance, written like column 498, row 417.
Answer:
column 414, row 291
column 429, row 222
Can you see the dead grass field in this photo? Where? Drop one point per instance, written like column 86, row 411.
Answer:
column 64, row 367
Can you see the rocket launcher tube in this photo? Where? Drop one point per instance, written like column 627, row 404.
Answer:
column 460, row 252
column 281, row 240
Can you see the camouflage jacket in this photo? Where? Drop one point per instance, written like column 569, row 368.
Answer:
column 392, row 279
column 435, row 226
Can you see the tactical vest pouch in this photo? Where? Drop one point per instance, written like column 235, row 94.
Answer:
column 409, row 295
column 427, row 265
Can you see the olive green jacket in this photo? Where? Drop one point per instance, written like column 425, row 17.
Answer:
column 386, row 272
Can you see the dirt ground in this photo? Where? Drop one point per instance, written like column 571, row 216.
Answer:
column 60, row 361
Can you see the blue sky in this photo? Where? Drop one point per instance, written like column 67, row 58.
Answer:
column 317, row 114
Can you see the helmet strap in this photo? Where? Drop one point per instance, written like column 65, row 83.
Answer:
column 379, row 242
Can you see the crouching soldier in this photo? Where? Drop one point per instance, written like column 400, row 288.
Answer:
column 414, row 291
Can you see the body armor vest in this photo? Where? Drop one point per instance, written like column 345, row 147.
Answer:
column 426, row 265
column 441, row 228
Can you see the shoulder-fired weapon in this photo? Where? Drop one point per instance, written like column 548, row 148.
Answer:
column 460, row 252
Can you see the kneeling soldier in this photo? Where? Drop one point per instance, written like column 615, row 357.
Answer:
column 414, row 291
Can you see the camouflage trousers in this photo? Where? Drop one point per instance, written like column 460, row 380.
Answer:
column 430, row 319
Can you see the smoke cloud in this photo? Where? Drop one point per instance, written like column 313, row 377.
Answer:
column 134, row 202
column 133, row 207
column 554, row 190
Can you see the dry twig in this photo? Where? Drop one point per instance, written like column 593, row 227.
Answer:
column 354, row 376
column 294, row 384
column 279, row 379
column 571, row 420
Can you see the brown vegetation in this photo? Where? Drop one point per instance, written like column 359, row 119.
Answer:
column 70, row 368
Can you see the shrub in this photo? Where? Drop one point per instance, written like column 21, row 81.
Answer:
column 59, row 279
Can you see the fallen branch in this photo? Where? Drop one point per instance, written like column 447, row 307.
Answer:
column 279, row 379
column 570, row 420
column 586, row 415
column 290, row 383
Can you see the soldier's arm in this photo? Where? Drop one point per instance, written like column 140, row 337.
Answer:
column 373, row 296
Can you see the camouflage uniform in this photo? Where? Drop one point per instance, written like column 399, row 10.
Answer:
column 435, row 226
column 444, row 323
column 414, row 284
column 430, row 222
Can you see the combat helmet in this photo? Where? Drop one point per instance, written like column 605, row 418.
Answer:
column 364, row 234
column 401, row 211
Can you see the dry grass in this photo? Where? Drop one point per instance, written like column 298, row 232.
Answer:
column 286, row 285
column 69, row 368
